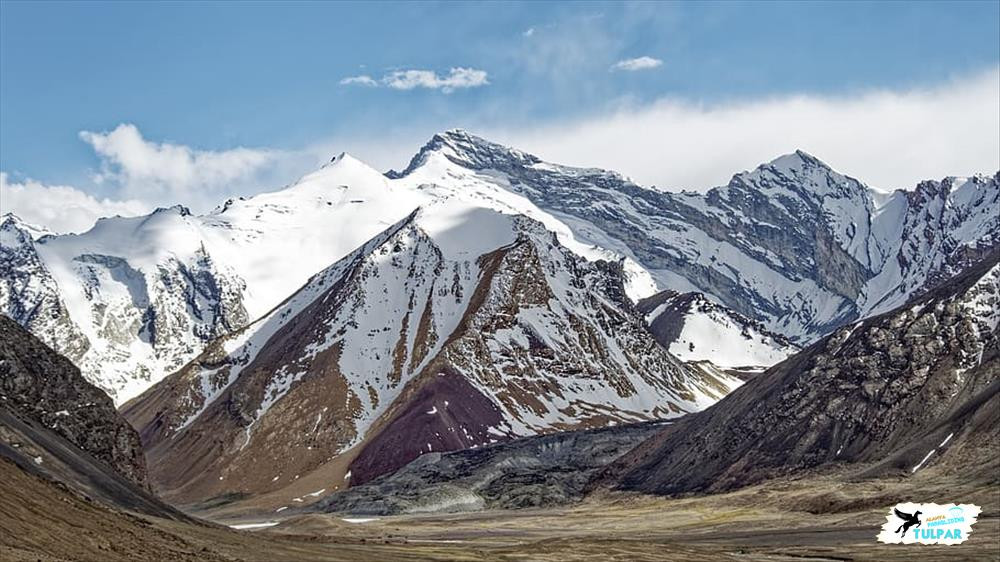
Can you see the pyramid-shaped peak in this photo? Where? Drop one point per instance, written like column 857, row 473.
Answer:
column 10, row 217
column 344, row 165
column 343, row 157
column 804, row 172
column 797, row 160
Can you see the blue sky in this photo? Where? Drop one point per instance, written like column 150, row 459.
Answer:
column 218, row 76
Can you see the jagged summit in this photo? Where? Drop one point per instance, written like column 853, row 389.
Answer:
column 178, row 209
column 14, row 232
column 473, row 152
column 11, row 222
column 466, row 150
column 803, row 172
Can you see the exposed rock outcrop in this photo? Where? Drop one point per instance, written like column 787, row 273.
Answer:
column 694, row 328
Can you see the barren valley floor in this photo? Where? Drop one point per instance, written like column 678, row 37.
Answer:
column 805, row 519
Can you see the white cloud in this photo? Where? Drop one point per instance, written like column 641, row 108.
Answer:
column 363, row 80
column 640, row 63
column 888, row 139
column 60, row 208
column 528, row 32
column 165, row 173
column 139, row 175
column 457, row 78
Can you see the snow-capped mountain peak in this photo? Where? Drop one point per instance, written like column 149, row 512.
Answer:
column 475, row 320
column 465, row 150
column 13, row 231
column 11, row 221
column 794, row 245
column 797, row 161
column 804, row 175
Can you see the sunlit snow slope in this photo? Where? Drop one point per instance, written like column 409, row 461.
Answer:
column 694, row 328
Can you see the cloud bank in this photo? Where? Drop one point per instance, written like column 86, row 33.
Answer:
column 888, row 139
column 170, row 172
column 141, row 175
column 60, row 208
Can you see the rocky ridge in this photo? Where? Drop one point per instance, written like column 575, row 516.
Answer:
column 694, row 328
column 792, row 244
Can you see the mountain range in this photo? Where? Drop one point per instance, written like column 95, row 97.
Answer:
column 792, row 245
column 909, row 399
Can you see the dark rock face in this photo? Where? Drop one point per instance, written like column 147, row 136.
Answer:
column 879, row 396
column 530, row 472
column 666, row 326
column 44, row 388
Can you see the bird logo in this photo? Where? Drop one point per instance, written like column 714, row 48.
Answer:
column 908, row 521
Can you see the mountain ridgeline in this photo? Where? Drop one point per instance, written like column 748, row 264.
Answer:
column 58, row 428
column 792, row 245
